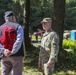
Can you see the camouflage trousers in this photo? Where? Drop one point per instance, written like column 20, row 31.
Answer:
column 48, row 70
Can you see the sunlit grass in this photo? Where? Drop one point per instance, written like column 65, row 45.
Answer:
column 65, row 73
column 35, row 70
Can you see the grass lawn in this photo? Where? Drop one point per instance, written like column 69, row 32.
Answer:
column 34, row 71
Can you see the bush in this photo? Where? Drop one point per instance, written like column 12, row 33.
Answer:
column 69, row 44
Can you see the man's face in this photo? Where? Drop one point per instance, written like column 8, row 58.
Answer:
column 46, row 26
column 12, row 19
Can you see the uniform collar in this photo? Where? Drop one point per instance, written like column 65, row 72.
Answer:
column 46, row 33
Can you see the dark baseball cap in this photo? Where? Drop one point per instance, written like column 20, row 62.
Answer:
column 8, row 14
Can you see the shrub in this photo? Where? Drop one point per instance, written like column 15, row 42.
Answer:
column 69, row 44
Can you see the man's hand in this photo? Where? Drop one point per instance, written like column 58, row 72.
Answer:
column 7, row 52
column 49, row 64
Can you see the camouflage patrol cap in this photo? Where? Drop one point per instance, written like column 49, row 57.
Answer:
column 46, row 20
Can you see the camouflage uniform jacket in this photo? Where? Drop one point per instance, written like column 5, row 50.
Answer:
column 49, row 47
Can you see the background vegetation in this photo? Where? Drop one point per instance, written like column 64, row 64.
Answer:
column 39, row 10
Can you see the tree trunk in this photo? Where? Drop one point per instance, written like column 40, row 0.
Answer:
column 26, row 23
column 58, row 19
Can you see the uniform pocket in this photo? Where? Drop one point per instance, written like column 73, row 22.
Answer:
column 47, row 44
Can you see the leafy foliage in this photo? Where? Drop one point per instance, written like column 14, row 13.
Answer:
column 4, row 6
column 70, row 19
column 40, row 9
column 69, row 44
column 14, row 5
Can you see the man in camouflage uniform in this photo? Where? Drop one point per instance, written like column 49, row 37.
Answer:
column 49, row 48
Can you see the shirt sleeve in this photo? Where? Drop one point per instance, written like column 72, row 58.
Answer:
column 54, row 48
column 1, row 50
column 17, row 44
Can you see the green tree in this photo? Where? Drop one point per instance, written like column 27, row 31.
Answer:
column 40, row 9
column 70, row 15
column 4, row 6
column 18, row 8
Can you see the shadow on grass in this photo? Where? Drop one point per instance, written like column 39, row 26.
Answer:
column 31, row 59
column 66, row 62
